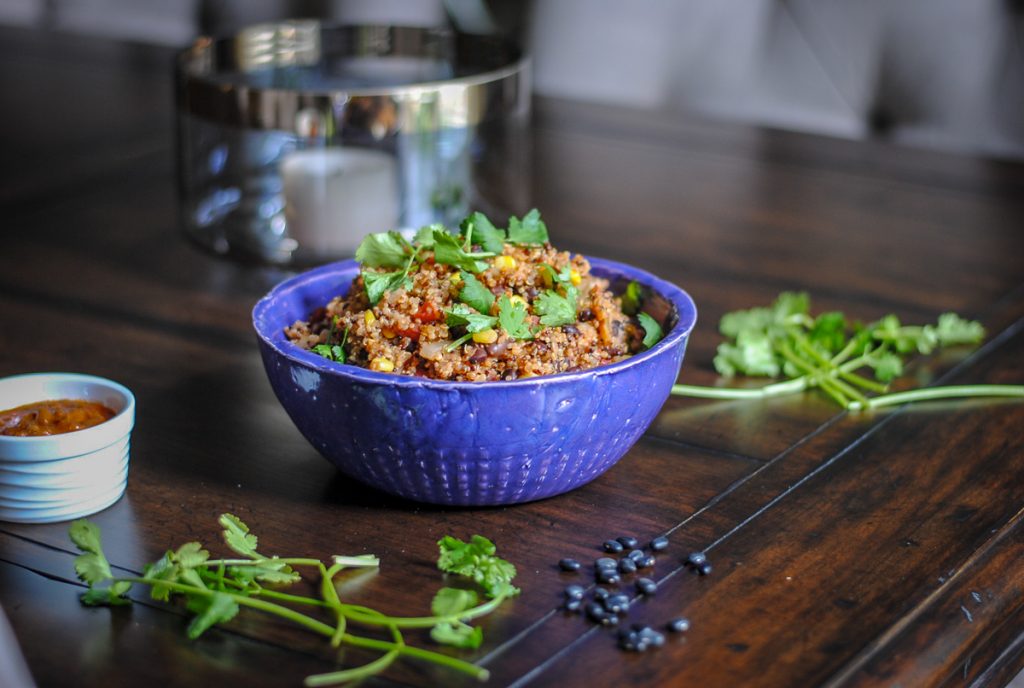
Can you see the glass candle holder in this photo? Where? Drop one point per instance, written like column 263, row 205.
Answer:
column 296, row 139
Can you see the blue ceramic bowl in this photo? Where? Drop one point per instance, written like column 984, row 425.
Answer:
column 469, row 443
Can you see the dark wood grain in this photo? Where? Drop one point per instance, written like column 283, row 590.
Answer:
column 847, row 547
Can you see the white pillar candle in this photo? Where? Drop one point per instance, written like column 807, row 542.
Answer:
column 336, row 196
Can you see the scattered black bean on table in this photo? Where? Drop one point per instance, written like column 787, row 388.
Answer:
column 605, row 605
column 613, row 546
column 569, row 565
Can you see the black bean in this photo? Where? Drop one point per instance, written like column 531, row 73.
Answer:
column 479, row 354
column 617, row 603
column 586, row 314
column 628, row 541
column 571, row 330
column 572, row 605
column 574, row 592
column 696, row 558
column 595, row 612
column 605, row 563
column 679, row 625
column 705, row 568
column 626, row 565
column 610, row 620
column 610, row 576
column 659, row 543
column 612, row 546
column 569, row 564
column 646, row 586
column 637, row 555
column 653, row 637
column 647, row 562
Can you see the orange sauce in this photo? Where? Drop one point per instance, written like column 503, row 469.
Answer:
column 53, row 417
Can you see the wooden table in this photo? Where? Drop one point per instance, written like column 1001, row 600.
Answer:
column 879, row 549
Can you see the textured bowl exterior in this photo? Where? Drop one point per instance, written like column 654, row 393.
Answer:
column 466, row 443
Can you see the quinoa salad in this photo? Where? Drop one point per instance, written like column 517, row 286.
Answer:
column 481, row 304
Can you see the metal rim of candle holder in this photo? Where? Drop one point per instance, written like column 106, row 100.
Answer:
column 495, row 79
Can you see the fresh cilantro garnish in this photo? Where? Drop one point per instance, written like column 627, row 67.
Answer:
column 477, row 229
column 652, row 330
column 217, row 590
column 632, row 298
column 460, row 315
column 530, row 230
column 475, row 294
column 425, row 235
column 563, row 276
column 477, row 560
column 379, row 283
column 830, row 353
column 332, row 352
column 512, row 318
column 447, row 251
column 383, row 250
column 555, row 309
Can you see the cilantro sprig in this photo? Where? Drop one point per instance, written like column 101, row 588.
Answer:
column 215, row 590
column 830, row 353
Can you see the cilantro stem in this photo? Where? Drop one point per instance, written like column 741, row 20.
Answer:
column 775, row 389
column 946, row 392
column 269, row 607
column 427, row 655
column 429, row 621
column 263, row 560
column 320, row 627
column 288, row 597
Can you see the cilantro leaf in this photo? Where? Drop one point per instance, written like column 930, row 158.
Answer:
column 752, row 354
column 952, row 329
column 481, row 231
column 92, row 565
column 268, row 572
column 652, row 330
column 425, row 234
column 447, row 251
column 383, row 250
column 216, row 609
column 477, row 560
column 475, row 294
column 163, row 570
column 530, row 230
column 512, row 318
column 632, row 298
column 829, row 332
column 237, row 536
column 377, row 283
column 449, row 601
column 556, row 310
column 461, row 316
column 457, row 634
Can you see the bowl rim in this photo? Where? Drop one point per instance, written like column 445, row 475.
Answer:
column 271, row 334
column 85, row 435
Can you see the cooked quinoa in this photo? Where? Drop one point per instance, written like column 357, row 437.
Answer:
column 415, row 327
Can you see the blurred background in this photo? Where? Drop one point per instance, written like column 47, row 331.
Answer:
column 939, row 74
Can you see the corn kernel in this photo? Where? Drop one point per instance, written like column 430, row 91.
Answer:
column 574, row 277
column 456, row 278
column 505, row 263
column 516, row 298
column 383, row 365
column 369, row 317
column 488, row 336
column 389, row 334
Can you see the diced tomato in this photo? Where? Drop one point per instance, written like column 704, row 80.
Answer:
column 412, row 333
column 428, row 313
